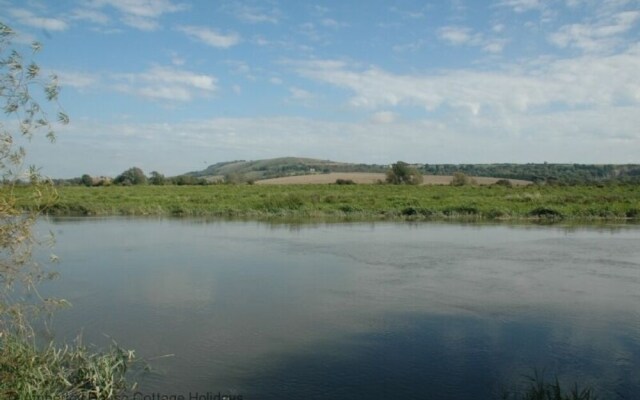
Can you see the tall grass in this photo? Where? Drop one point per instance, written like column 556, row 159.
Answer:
column 68, row 372
column 536, row 388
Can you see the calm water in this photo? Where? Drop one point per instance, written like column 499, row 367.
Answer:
column 360, row 310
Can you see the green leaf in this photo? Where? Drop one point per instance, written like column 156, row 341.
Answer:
column 63, row 118
column 32, row 70
column 36, row 46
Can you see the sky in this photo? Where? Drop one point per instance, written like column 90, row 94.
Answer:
column 175, row 85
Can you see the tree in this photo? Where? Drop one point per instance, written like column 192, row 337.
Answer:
column 157, row 178
column 235, row 178
column 132, row 176
column 26, row 369
column 402, row 173
column 86, row 180
column 20, row 79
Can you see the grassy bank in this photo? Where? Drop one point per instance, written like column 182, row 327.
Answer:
column 355, row 201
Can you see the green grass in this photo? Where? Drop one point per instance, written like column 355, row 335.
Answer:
column 616, row 202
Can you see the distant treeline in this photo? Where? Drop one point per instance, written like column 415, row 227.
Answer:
column 236, row 172
column 543, row 173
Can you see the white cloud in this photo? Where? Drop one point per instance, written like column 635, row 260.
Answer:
column 494, row 45
column 301, row 94
column 210, row 37
column 76, row 79
column 600, row 36
column 606, row 136
column 141, row 14
column 26, row 17
column 383, row 117
column 521, row 6
column 457, row 35
column 168, row 83
column 581, row 82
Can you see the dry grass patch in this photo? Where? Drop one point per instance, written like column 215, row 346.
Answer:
column 357, row 177
column 369, row 178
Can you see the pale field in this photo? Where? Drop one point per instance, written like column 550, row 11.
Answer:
column 368, row 177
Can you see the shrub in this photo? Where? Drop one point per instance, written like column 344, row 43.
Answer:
column 348, row 208
column 545, row 212
column 460, row 210
column 460, row 179
column 503, row 182
column 633, row 213
column 290, row 201
column 132, row 176
column 345, row 182
column 409, row 211
column 402, row 173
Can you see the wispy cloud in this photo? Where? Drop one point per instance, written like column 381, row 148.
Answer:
column 167, row 83
column 26, row 17
column 90, row 15
column 210, row 37
column 255, row 15
column 521, row 6
column 332, row 23
column 141, row 14
column 464, row 36
column 409, row 14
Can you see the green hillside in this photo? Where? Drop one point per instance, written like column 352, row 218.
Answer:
column 277, row 167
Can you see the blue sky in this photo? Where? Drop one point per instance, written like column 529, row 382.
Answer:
column 174, row 86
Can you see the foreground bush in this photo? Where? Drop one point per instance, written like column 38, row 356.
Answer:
column 69, row 372
column 26, row 371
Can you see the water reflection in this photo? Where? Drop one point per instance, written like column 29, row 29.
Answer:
column 360, row 310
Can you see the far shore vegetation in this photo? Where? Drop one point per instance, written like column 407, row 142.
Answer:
column 500, row 201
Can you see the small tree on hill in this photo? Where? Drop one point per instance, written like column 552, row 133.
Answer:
column 132, row 176
column 402, row 173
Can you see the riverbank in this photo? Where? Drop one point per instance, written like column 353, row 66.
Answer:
column 354, row 201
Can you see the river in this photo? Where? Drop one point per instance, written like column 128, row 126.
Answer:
column 354, row 310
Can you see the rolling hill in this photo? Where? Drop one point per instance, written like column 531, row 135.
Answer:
column 279, row 167
column 291, row 169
